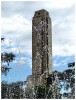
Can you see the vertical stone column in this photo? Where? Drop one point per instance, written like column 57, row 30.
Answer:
column 41, row 47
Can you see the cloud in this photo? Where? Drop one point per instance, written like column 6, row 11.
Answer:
column 64, row 50
column 23, row 60
column 58, row 3
column 17, row 25
column 27, row 8
column 17, row 31
column 63, row 32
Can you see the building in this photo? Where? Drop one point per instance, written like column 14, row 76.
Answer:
column 41, row 47
column 29, row 83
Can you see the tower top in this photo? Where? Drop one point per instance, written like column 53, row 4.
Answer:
column 41, row 13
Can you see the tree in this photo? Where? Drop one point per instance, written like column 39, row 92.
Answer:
column 4, row 69
column 4, row 89
column 56, row 82
column 69, row 81
column 6, row 57
column 12, row 90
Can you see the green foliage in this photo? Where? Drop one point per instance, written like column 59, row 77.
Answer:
column 6, row 57
column 3, row 89
column 29, row 93
column 56, row 82
column 40, row 92
column 69, row 81
column 4, row 69
column 12, row 91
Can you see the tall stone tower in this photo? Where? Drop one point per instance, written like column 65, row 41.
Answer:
column 41, row 47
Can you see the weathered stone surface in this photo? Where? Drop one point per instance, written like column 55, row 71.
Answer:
column 41, row 47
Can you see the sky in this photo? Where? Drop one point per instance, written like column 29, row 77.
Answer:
column 16, row 27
